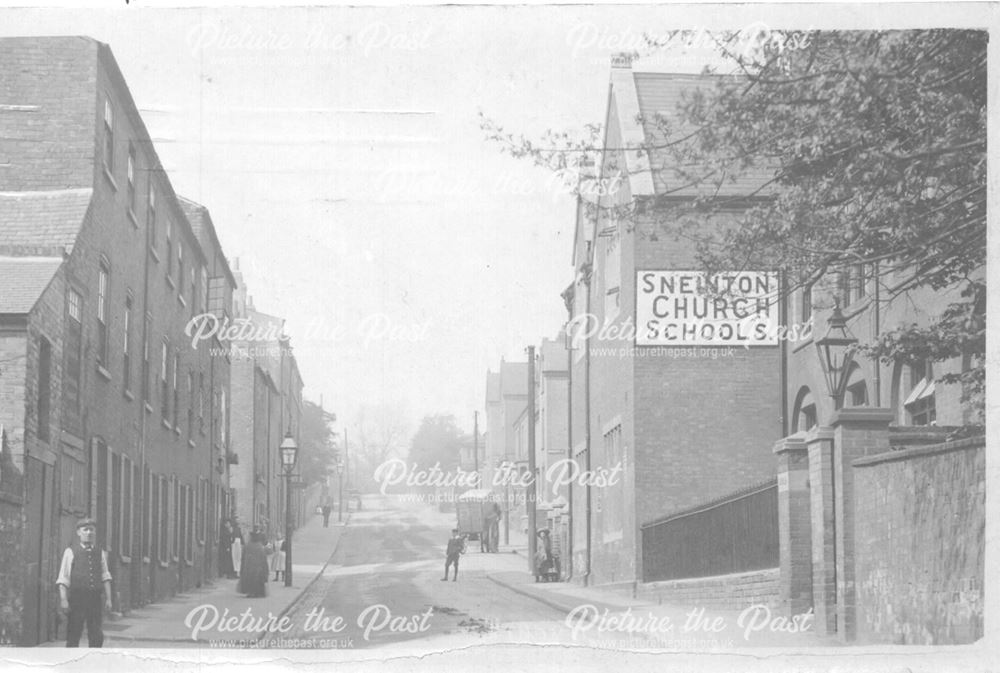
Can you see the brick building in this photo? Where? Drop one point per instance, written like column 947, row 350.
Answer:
column 682, row 420
column 266, row 404
column 114, row 413
column 696, row 426
column 885, row 425
column 551, row 423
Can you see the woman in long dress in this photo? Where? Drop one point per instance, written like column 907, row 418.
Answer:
column 253, row 572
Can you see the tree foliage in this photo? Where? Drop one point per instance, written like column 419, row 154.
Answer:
column 438, row 440
column 864, row 147
column 316, row 443
column 377, row 434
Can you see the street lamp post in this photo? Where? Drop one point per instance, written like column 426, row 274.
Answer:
column 289, row 451
column 340, row 490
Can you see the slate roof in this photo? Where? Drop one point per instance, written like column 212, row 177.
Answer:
column 22, row 281
column 41, row 223
column 660, row 94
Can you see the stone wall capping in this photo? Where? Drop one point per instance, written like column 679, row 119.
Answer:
column 920, row 451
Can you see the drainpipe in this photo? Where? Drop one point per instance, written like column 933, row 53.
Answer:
column 876, row 328
column 145, row 530
column 586, row 417
column 783, row 352
column 569, row 435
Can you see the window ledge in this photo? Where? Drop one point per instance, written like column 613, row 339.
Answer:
column 191, row 443
column 132, row 218
column 170, row 282
column 155, row 255
column 165, row 423
column 181, row 300
column 110, row 178
column 128, row 395
column 149, row 408
column 104, row 372
column 177, row 431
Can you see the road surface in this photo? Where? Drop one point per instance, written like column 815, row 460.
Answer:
column 384, row 583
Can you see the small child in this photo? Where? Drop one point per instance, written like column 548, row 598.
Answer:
column 456, row 547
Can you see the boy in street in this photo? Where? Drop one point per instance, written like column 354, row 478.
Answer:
column 83, row 581
column 456, row 547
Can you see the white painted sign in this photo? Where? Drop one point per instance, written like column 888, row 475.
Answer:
column 690, row 308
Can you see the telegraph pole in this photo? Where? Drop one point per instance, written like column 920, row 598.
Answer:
column 532, row 490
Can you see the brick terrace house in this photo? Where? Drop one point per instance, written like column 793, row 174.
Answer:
column 683, row 426
column 266, row 404
column 114, row 413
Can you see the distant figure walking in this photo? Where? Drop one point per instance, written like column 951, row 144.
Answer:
column 456, row 547
column 326, row 515
column 492, row 532
column 226, row 567
column 253, row 571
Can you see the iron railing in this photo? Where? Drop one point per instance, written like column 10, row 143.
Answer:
column 735, row 533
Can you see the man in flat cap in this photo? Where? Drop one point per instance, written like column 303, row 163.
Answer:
column 84, row 586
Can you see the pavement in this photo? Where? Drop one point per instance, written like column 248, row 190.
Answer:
column 391, row 561
column 591, row 611
column 163, row 624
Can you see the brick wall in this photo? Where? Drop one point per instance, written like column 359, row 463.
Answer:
column 11, row 562
column 727, row 592
column 241, row 475
column 14, row 356
column 53, row 85
column 887, row 385
column 920, row 538
column 705, row 421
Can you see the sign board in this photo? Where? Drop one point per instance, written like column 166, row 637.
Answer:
column 690, row 308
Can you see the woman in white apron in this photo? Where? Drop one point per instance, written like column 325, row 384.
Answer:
column 237, row 549
column 278, row 559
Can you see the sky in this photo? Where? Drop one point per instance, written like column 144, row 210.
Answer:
column 340, row 155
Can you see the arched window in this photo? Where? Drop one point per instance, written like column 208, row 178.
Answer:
column 919, row 403
column 804, row 414
column 855, row 393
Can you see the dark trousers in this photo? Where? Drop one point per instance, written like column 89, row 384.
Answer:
column 85, row 606
column 452, row 560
